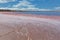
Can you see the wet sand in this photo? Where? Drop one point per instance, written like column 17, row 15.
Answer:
column 29, row 27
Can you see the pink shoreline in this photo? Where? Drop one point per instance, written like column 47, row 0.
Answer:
column 22, row 27
column 30, row 15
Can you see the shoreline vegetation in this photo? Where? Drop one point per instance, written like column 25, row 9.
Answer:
column 6, row 10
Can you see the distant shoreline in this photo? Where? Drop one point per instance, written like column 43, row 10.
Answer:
column 24, row 11
column 30, row 15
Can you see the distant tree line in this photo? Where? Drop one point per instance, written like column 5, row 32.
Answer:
column 2, row 10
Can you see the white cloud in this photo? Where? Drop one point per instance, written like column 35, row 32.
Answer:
column 57, row 8
column 23, row 5
column 6, row 1
column 9, row 8
column 27, row 6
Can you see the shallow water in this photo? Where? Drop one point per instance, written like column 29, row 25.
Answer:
column 41, row 13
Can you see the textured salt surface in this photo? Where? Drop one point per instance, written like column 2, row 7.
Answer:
column 28, row 28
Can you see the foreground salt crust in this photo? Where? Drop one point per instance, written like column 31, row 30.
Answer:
column 28, row 28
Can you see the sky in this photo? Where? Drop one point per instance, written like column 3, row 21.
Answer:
column 42, row 5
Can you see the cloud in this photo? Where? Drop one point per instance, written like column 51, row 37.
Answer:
column 8, row 8
column 23, row 5
column 27, row 6
column 6, row 1
column 57, row 8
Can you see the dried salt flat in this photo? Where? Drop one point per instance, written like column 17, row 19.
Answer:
column 28, row 28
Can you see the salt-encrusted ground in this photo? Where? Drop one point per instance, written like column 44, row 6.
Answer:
column 28, row 28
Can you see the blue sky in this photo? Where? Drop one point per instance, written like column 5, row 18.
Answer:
column 31, row 4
